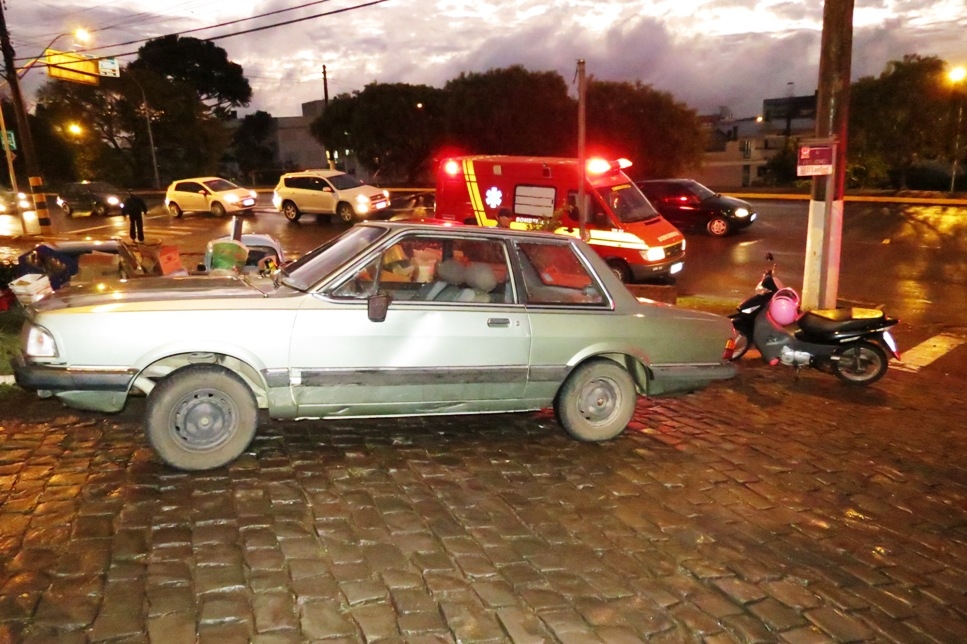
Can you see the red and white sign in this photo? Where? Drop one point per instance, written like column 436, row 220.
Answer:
column 814, row 161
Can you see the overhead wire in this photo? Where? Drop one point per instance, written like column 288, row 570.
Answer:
column 227, row 24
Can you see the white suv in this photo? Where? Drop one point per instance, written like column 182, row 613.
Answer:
column 327, row 192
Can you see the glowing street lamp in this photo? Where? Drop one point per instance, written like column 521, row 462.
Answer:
column 81, row 34
column 13, row 76
column 956, row 76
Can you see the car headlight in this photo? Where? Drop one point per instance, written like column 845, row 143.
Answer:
column 113, row 201
column 741, row 212
column 654, row 254
column 39, row 343
column 276, row 200
column 231, row 198
column 253, row 194
column 362, row 200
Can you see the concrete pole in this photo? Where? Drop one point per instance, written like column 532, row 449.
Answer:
column 582, row 160
column 824, row 235
column 23, row 125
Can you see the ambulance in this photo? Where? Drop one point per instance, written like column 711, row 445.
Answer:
column 622, row 226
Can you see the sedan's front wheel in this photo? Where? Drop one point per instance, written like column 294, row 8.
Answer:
column 597, row 401
column 201, row 417
column 717, row 227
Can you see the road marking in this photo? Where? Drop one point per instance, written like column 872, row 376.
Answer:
column 928, row 351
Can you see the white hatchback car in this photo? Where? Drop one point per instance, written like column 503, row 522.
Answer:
column 327, row 192
column 209, row 194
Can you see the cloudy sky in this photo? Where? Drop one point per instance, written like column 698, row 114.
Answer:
column 707, row 53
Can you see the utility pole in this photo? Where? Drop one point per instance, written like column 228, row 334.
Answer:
column 582, row 161
column 825, row 230
column 325, row 103
column 23, row 125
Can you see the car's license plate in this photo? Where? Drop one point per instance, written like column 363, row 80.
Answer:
column 676, row 267
column 381, row 204
column 248, row 202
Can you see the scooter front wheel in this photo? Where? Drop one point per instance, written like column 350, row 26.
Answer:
column 862, row 363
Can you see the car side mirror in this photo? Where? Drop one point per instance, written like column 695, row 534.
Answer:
column 377, row 305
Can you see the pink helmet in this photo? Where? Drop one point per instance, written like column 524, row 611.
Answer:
column 784, row 306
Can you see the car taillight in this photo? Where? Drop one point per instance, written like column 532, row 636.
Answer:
column 729, row 349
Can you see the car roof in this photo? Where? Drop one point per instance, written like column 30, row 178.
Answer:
column 199, row 179
column 323, row 172
column 656, row 181
column 488, row 231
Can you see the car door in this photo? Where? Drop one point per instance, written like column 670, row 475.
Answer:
column 312, row 193
column 679, row 205
column 567, row 308
column 444, row 346
column 191, row 196
column 324, row 195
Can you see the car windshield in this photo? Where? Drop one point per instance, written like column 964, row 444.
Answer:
column 308, row 270
column 627, row 202
column 220, row 185
column 699, row 190
column 344, row 181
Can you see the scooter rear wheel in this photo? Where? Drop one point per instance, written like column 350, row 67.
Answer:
column 862, row 363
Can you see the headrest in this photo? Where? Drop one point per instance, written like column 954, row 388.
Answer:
column 481, row 277
column 452, row 272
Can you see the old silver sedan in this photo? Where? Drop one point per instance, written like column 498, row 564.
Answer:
column 389, row 319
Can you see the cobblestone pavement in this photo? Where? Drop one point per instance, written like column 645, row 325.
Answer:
column 766, row 508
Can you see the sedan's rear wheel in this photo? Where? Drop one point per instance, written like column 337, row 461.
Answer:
column 717, row 226
column 201, row 417
column 597, row 401
column 291, row 211
column 346, row 213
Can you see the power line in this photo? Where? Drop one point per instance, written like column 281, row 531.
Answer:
column 229, row 23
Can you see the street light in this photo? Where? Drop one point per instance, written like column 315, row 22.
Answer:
column 81, row 34
column 956, row 76
column 23, row 126
column 147, row 119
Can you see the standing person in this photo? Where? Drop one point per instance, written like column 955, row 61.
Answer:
column 135, row 209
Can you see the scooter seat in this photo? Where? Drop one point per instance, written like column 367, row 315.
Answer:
column 821, row 321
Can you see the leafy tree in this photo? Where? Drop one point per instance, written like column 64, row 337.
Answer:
column 659, row 135
column 393, row 128
column 252, row 143
column 199, row 64
column 189, row 138
column 511, row 111
column 897, row 120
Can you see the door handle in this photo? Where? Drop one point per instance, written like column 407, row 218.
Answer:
column 499, row 322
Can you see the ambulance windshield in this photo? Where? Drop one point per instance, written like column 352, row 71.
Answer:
column 627, row 202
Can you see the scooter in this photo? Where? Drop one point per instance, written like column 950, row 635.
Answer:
column 743, row 320
column 854, row 344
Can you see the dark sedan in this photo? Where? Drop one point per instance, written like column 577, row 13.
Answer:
column 689, row 204
column 96, row 197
